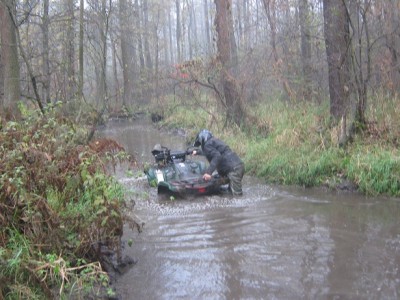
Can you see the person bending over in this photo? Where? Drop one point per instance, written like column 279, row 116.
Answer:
column 220, row 158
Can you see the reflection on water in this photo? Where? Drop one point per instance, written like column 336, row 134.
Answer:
column 272, row 243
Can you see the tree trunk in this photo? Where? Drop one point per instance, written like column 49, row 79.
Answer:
column 192, row 30
column 337, row 39
column 102, row 90
column 139, row 35
column 207, row 27
column 304, row 16
column 271, row 16
column 165, row 40
column 246, row 22
column 232, row 41
column 46, row 65
column 392, row 33
column 156, row 56
column 1, row 69
column 148, row 33
column 178, row 31
column 9, row 57
column 81, row 31
column 70, row 50
column 270, row 9
column 189, row 29
column 29, row 67
column 226, row 55
column 361, row 56
column 117, row 88
column 140, row 83
column 170, row 34
column 126, row 59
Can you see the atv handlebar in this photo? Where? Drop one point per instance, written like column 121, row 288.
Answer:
column 164, row 154
column 190, row 149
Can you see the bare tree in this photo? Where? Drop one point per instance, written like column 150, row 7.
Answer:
column 227, row 57
column 361, row 55
column 1, row 72
column 81, row 43
column 139, row 35
column 103, row 10
column 392, row 36
column 170, row 34
column 70, row 49
column 305, row 47
column 146, row 37
column 166, row 49
column 9, row 58
column 116, row 87
column 337, row 41
column 279, row 43
column 270, row 9
column 46, row 62
column 126, row 58
column 207, row 26
column 178, row 30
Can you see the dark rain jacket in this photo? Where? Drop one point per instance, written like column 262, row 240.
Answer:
column 220, row 157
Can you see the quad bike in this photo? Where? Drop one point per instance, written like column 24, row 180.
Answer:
column 174, row 174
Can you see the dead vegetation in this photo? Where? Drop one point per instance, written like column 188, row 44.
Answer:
column 57, row 199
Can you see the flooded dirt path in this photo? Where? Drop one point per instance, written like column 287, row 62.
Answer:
column 272, row 243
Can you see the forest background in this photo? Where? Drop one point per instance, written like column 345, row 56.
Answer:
column 306, row 91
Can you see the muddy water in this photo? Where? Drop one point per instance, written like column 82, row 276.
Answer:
column 272, row 243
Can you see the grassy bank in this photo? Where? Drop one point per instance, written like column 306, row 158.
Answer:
column 59, row 209
column 293, row 144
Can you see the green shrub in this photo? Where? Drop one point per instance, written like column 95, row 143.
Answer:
column 375, row 170
column 58, row 204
